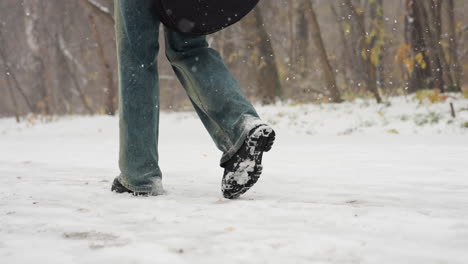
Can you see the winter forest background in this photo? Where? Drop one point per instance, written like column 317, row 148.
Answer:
column 368, row 98
column 58, row 56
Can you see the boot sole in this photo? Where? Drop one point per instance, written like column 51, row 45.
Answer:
column 260, row 141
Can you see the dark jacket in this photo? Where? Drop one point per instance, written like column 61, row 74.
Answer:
column 202, row 17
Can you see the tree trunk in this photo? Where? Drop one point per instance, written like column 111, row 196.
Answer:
column 346, row 60
column 10, row 75
column 10, row 88
column 329, row 74
column 419, row 63
column 302, row 39
column 377, row 39
column 292, row 55
column 109, row 90
column 423, row 33
column 32, row 10
column 72, row 72
column 267, row 73
column 455, row 67
column 432, row 34
column 365, row 50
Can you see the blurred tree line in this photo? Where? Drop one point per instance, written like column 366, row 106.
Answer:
column 58, row 56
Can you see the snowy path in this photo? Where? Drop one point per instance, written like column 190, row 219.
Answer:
column 322, row 199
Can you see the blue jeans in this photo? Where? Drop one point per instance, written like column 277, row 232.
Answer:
column 213, row 91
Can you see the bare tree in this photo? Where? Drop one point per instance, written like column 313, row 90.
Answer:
column 110, row 90
column 376, row 39
column 267, row 73
column 364, row 48
column 302, row 40
column 11, row 77
column 9, row 84
column 428, row 67
column 329, row 74
column 38, row 48
column 346, row 61
column 61, row 62
column 71, row 70
column 455, row 66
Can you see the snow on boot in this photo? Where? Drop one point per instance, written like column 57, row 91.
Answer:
column 243, row 170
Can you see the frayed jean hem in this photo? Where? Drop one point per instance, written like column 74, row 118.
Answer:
column 250, row 122
column 154, row 189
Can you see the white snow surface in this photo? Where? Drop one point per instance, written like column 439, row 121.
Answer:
column 350, row 183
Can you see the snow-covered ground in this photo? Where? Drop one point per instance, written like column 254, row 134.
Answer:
column 350, row 183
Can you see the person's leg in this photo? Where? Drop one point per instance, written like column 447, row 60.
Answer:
column 213, row 91
column 137, row 31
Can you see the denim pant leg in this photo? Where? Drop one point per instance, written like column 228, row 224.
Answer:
column 213, row 91
column 137, row 31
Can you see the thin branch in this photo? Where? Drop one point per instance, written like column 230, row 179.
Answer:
column 11, row 74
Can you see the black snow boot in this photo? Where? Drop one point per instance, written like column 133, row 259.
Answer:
column 119, row 188
column 243, row 170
